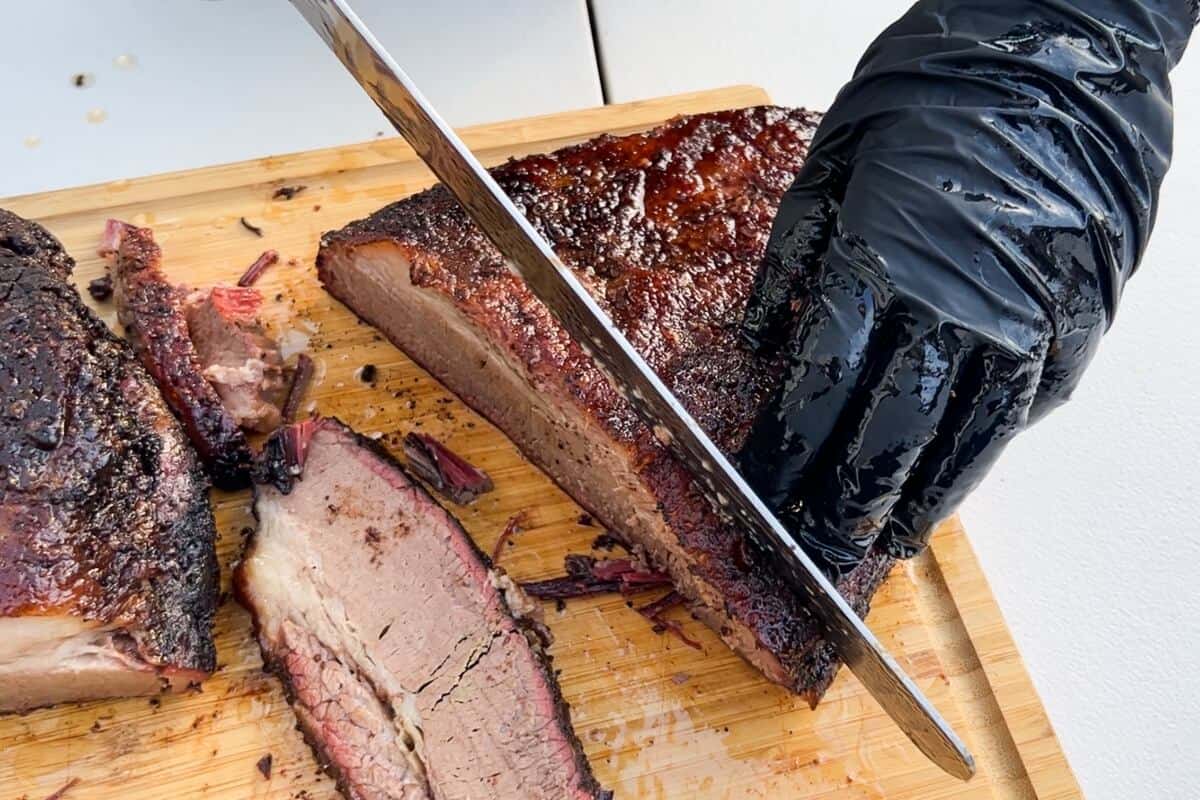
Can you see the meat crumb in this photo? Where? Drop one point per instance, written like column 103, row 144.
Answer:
column 586, row 520
column 301, row 378
column 255, row 270
column 680, row 678
column 264, row 765
column 514, row 524
column 448, row 473
column 101, row 288
column 257, row 231
column 605, row 542
column 288, row 192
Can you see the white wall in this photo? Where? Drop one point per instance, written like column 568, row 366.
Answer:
column 235, row 79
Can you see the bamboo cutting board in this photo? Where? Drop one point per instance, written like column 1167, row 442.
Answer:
column 657, row 718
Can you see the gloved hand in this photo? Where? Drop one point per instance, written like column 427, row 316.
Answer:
column 943, row 267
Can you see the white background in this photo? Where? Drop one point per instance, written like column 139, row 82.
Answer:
column 1086, row 529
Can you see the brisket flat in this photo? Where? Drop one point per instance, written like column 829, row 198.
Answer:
column 108, row 573
column 153, row 312
column 666, row 229
column 415, row 670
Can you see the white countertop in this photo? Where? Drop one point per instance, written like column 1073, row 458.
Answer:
column 1086, row 528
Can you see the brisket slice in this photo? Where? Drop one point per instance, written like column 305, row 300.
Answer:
column 666, row 229
column 153, row 313
column 413, row 668
column 108, row 572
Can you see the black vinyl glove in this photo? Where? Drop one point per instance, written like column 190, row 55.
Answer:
column 952, row 251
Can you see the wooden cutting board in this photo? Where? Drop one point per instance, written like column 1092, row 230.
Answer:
column 657, row 718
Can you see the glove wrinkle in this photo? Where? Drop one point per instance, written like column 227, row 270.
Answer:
column 973, row 204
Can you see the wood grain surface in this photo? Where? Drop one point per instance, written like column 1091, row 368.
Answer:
column 657, row 718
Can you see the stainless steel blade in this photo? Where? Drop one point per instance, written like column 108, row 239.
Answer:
column 555, row 285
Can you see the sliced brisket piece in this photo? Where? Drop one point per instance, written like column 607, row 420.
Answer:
column 240, row 361
column 153, row 313
column 666, row 229
column 108, row 572
column 413, row 668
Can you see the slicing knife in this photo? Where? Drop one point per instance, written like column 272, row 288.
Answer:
column 561, row 292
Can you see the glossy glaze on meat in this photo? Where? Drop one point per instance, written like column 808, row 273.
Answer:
column 108, row 573
column 152, row 311
column 666, row 229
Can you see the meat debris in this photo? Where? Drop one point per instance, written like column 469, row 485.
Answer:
column 658, row 607
column 588, row 576
column 288, row 192
column 606, row 542
column 449, row 473
column 301, row 378
column 654, row 612
column 515, row 523
column 101, row 288
column 255, row 270
column 257, row 231
column 284, row 455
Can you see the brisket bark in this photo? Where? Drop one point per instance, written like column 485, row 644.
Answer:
column 108, row 573
column 414, row 669
column 666, row 229
column 153, row 313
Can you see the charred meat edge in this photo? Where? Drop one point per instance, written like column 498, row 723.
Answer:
column 108, row 570
column 151, row 309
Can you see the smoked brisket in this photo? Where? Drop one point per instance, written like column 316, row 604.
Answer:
column 666, row 229
column 415, row 669
column 108, row 572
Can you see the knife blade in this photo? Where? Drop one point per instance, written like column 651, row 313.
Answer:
column 556, row 286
